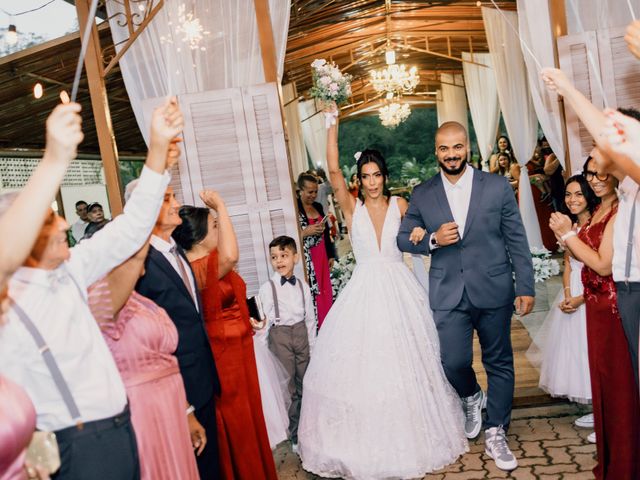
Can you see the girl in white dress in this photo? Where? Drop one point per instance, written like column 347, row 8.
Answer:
column 376, row 402
column 560, row 346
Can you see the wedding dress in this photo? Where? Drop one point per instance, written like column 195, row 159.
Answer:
column 376, row 403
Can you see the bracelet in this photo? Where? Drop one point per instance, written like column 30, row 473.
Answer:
column 190, row 410
column 567, row 288
column 567, row 235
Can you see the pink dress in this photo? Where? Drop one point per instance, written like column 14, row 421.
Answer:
column 142, row 341
column 17, row 423
column 324, row 299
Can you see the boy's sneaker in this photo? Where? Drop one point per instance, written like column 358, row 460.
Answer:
column 496, row 447
column 585, row 421
column 591, row 438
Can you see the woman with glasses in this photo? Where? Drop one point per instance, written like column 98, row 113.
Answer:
column 615, row 397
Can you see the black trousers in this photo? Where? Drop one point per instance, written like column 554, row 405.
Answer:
column 208, row 460
column 104, row 449
column 455, row 330
column 629, row 308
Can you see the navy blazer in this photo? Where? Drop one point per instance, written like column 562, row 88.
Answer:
column 492, row 250
column 162, row 284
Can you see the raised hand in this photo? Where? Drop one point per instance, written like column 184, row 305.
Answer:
column 212, row 199
column 633, row 38
column 622, row 133
column 447, row 234
column 556, row 80
column 64, row 133
column 166, row 123
column 173, row 153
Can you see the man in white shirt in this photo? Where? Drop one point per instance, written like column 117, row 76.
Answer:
column 291, row 322
column 92, row 422
column 77, row 229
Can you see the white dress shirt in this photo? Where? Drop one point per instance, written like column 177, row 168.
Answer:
column 290, row 302
column 626, row 193
column 165, row 249
column 459, row 196
column 78, row 228
column 59, row 310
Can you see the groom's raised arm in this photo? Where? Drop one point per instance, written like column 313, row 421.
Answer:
column 412, row 219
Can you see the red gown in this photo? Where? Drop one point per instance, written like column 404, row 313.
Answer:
column 615, row 396
column 245, row 453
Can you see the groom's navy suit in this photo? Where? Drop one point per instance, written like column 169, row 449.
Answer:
column 471, row 282
column 162, row 284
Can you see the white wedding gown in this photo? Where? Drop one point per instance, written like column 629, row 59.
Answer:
column 376, row 403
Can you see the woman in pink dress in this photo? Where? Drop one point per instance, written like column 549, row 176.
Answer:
column 142, row 339
column 319, row 251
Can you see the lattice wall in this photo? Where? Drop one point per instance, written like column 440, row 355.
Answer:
column 15, row 171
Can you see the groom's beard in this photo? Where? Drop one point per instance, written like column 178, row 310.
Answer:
column 453, row 171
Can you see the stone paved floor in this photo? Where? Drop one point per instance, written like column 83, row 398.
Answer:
column 547, row 445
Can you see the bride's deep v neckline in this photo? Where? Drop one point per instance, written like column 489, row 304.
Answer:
column 384, row 223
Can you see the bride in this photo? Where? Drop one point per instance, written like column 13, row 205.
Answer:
column 376, row 402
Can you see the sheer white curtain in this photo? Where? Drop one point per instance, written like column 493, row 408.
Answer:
column 516, row 105
column 314, row 133
column 535, row 30
column 159, row 62
column 598, row 14
column 297, row 150
column 482, row 94
column 452, row 103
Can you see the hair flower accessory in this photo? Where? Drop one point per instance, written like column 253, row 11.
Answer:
column 357, row 155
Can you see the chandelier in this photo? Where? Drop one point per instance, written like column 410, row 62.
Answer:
column 394, row 113
column 395, row 79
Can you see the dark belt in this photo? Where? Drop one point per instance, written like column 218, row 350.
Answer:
column 69, row 433
column 628, row 286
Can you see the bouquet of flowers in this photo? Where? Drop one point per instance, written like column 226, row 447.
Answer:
column 341, row 273
column 330, row 85
column 543, row 265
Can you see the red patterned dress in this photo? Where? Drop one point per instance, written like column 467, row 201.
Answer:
column 615, row 396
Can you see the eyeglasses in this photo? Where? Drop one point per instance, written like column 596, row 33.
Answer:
column 603, row 177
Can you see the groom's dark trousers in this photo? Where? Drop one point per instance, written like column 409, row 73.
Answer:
column 471, row 283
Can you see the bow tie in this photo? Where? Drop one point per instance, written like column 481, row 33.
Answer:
column 291, row 280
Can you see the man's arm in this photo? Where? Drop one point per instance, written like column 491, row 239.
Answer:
column 515, row 238
column 411, row 220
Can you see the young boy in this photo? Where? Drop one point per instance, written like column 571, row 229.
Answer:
column 291, row 323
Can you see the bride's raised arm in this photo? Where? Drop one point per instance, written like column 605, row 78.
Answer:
column 346, row 201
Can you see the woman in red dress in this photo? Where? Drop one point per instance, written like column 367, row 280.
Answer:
column 535, row 169
column 212, row 250
column 616, row 407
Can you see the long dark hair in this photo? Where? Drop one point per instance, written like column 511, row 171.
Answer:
column 587, row 193
column 306, row 177
column 509, row 148
column 508, row 167
column 373, row 156
column 194, row 226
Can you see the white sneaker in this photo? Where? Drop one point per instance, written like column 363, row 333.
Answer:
column 591, row 438
column 473, row 406
column 294, row 448
column 495, row 445
column 585, row 421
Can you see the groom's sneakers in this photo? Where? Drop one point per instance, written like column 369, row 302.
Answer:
column 495, row 445
column 473, row 406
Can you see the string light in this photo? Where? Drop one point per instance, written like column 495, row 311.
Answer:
column 38, row 90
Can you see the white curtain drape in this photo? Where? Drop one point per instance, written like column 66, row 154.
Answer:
column 159, row 62
column 535, row 31
column 451, row 103
column 314, row 133
column 598, row 14
column 297, row 150
column 516, row 105
column 482, row 93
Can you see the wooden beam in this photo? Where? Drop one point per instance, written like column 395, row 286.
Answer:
column 267, row 44
column 101, row 113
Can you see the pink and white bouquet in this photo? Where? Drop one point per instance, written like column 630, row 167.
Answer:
column 330, row 85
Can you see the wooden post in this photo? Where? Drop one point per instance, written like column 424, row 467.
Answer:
column 100, row 107
column 558, row 22
column 267, row 44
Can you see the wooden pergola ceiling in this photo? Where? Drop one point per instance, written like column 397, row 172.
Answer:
column 354, row 34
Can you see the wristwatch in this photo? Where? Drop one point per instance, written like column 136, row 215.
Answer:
column 433, row 243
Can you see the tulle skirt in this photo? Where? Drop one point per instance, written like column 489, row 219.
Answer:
column 376, row 403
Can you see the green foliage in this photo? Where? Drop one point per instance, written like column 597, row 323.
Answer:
column 130, row 170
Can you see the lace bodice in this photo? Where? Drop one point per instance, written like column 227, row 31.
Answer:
column 363, row 235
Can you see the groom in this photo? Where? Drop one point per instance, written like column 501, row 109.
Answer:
column 468, row 221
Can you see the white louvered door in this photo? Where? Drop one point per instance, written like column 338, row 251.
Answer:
column 234, row 143
column 620, row 69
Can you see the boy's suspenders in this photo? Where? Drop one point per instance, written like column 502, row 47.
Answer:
column 275, row 300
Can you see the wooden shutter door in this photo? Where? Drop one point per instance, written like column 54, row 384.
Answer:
column 620, row 69
column 574, row 61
